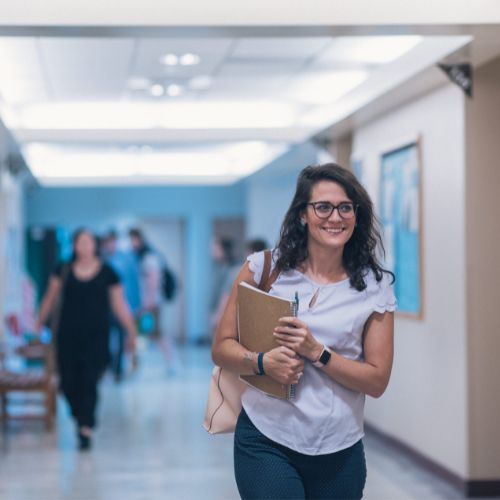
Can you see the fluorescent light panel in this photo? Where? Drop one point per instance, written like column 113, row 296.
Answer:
column 144, row 115
column 325, row 87
column 230, row 161
column 369, row 49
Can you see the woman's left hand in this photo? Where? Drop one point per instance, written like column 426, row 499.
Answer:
column 295, row 334
column 131, row 343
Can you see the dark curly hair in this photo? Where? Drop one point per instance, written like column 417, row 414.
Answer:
column 359, row 254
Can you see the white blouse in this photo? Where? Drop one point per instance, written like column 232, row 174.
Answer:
column 325, row 416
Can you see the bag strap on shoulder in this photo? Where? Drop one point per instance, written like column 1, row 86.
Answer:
column 267, row 279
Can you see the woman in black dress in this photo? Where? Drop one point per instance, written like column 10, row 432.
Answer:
column 90, row 290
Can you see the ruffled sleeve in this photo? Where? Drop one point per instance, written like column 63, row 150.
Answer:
column 256, row 265
column 385, row 300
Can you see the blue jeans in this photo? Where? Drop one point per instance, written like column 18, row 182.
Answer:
column 265, row 469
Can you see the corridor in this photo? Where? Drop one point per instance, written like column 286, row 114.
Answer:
column 150, row 445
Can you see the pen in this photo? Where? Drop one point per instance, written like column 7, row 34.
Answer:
column 293, row 387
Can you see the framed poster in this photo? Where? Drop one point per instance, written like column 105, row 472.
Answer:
column 400, row 211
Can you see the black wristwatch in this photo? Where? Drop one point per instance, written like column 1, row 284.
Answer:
column 324, row 357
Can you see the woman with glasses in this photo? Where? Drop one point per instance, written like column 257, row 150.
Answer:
column 338, row 349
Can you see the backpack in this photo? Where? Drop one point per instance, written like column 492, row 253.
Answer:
column 168, row 283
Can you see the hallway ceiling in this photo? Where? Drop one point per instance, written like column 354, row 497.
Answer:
column 92, row 110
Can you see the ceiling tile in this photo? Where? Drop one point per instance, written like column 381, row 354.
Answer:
column 86, row 68
column 274, row 48
column 245, row 88
column 260, row 69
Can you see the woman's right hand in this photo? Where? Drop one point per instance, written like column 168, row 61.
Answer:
column 284, row 365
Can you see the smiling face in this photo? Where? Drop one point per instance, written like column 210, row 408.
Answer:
column 333, row 232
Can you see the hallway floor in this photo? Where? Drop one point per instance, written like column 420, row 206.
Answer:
column 150, row 445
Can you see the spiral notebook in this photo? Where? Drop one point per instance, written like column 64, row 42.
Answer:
column 258, row 315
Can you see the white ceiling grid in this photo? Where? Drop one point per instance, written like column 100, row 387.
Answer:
column 252, row 90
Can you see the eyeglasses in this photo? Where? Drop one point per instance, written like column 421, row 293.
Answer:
column 324, row 209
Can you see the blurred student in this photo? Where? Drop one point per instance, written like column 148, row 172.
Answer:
column 251, row 246
column 223, row 262
column 150, row 279
column 89, row 291
column 125, row 265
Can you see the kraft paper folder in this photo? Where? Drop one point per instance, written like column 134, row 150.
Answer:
column 258, row 315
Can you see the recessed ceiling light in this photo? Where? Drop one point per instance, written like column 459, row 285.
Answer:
column 190, row 59
column 157, row 90
column 169, row 60
column 174, row 90
column 200, row 82
column 138, row 83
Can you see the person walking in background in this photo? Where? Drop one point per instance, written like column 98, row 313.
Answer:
column 127, row 268
column 255, row 245
column 251, row 246
column 150, row 279
column 339, row 348
column 89, row 291
column 223, row 263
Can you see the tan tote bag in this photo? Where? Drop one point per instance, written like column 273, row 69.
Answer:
column 224, row 401
column 226, row 388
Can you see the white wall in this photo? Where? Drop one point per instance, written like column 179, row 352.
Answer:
column 425, row 405
column 257, row 13
column 11, row 233
column 483, row 271
column 11, row 241
column 3, row 235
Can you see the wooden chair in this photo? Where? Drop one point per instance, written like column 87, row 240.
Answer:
column 42, row 381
